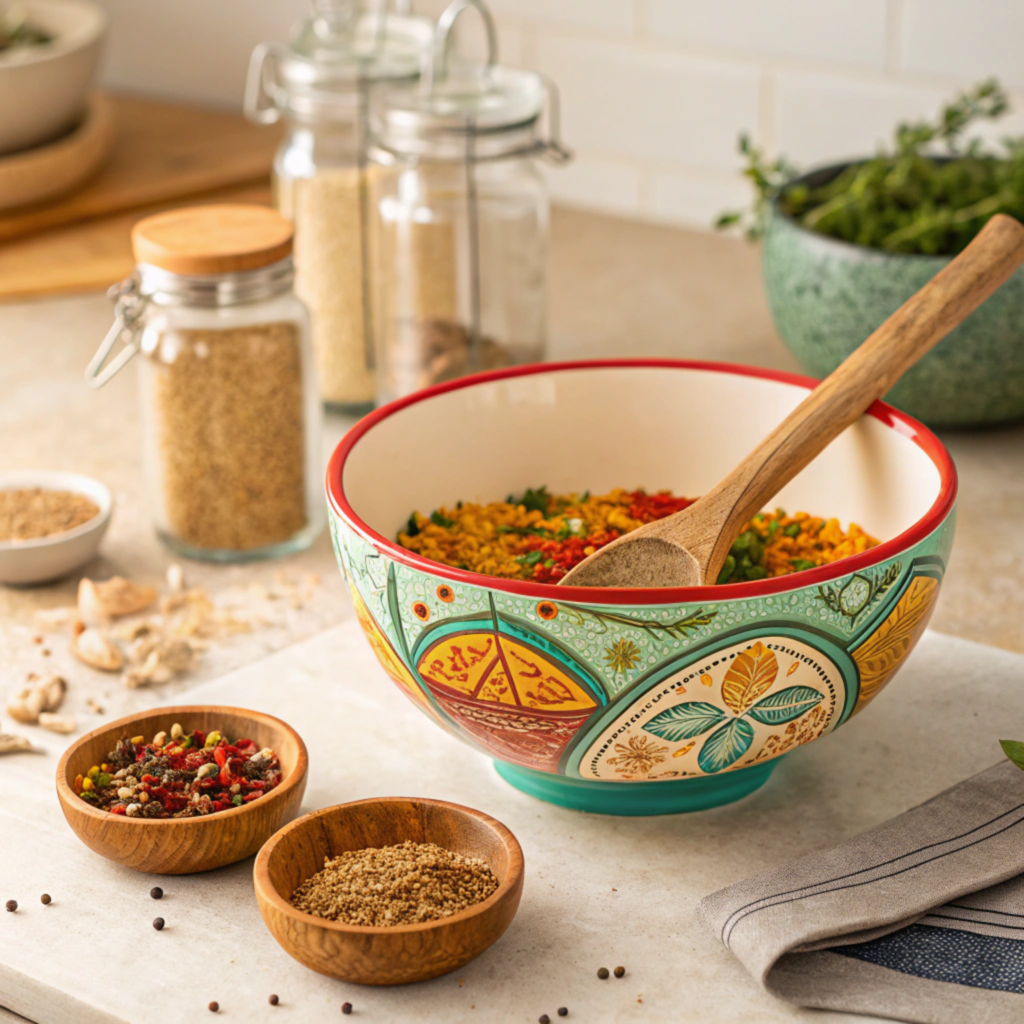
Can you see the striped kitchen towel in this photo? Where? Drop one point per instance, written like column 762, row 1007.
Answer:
column 920, row 919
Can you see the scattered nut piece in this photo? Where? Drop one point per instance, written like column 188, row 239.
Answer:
column 92, row 647
column 32, row 701
column 111, row 599
column 57, row 723
column 94, row 706
column 156, row 660
column 175, row 578
column 10, row 743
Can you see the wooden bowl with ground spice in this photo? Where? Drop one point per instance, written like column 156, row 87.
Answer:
column 213, row 835
column 51, row 523
column 389, row 859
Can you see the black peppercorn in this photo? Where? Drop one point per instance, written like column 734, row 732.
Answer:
column 620, row 972
column 346, row 1008
column 156, row 892
column 602, row 973
column 563, row 1011
column 158, row 923
column 12, row 906
column 45, row 899
column 543, row 1019
column 273, row 1000
column 214, row 1006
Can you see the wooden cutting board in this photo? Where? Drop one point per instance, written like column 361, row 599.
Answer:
column 92, row 255
column 161, row 152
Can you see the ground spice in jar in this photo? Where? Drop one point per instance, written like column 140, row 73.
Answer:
column 30, row 513
column 329, row 278
column 230, row 435
column 395, row 885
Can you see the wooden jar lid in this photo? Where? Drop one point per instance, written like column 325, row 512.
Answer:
column 217, row 239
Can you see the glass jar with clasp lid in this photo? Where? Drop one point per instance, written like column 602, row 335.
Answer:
column 461, row 216
column 231, row 413
column 320, row 85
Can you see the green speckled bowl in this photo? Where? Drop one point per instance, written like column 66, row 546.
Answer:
column 635, row 701
column 827, row 296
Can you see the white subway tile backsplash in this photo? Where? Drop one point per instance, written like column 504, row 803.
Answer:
column 597, row 185
column 696, row 201
column 969, row 40
column 851, row 31
column 825, row 118
column 654, row 92
column 633, row 103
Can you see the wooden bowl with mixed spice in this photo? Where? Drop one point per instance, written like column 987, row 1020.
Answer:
column 449, row 876
column 180, row 790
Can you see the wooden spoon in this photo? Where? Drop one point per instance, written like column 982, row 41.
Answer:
column 689, row 548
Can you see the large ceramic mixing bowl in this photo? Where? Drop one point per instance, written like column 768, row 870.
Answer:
column 636, row 701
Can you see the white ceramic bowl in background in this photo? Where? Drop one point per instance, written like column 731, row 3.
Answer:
column 44, row 89
column 49, row 558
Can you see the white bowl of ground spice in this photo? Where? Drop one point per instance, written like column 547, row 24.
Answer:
column 51, row 523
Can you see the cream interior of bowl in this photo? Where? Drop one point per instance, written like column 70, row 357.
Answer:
column 599, row 428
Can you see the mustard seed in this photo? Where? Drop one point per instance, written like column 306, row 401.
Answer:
column 346, row 1008
column 158, row 923
column 620, row 972
column 45, row 899
column 156, row 892
column 602, row 973
column 273, row 1000
column 12, row 906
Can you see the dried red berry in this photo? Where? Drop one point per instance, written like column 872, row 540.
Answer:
column 12, row 906
column 214, row 1006
column 273, row 1000
column 45, row 899
column 346, row 1008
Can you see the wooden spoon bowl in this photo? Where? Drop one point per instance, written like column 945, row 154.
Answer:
column 404, row 953
column 185, row 846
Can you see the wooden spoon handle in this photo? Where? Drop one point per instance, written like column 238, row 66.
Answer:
column 866, row 375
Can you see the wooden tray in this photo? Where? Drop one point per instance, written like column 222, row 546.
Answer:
column 55, row 168
column 161, row 152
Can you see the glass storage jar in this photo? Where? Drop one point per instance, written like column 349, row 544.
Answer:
column 231, row 414
column 461, row 211
column 320, row 84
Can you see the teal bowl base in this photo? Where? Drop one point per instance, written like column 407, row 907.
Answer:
column 636, row 799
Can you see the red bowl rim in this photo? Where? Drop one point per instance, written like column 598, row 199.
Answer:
column 891, row 417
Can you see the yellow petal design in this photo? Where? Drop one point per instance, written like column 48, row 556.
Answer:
column 750, row 674
column 496, row 669
column 389, row 660
column 792, row 668
column 880, row 655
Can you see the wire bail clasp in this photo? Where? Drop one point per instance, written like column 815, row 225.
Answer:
column 129, row 305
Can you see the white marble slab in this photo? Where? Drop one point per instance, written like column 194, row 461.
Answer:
column 599, row 890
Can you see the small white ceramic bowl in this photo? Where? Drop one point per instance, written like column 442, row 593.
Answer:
column 44, row 90
column 49, row 558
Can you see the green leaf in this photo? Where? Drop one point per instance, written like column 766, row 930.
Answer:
column 684, row 721
column 800, row 564
column 533, row 500
column 530, row 558
column 439, row 520
column 725, row 746
column 1014, row 750
column 785, row 705
column 412, row 527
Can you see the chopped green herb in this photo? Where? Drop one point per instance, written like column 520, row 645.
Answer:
column 793, row 530
column 439, row 520
column 800, row 564
column 412, row 527
column 530, row 558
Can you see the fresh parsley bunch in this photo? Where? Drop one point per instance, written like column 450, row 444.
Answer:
column 931, row 193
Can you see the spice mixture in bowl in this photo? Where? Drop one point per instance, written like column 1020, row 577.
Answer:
column 540, row 536
column 187, row 800
column 646, row 700
column 179, row 775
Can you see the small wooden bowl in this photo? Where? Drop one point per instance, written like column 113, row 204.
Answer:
column 404, row 953
column 185, row 846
